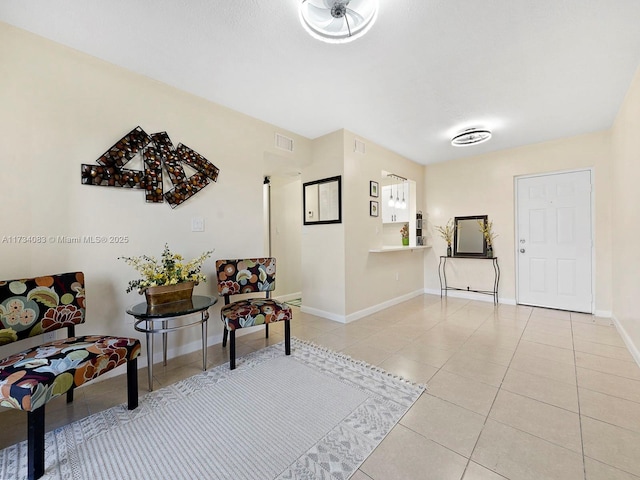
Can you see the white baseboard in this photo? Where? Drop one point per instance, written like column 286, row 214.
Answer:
column 381, row 306
column 471, row 296
column 361, row 313
column 603, row 313
column 321, row 313
column 633, row 348
column 289, row 296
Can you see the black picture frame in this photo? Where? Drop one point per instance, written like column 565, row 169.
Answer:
column 374, row 208
column 322, row 201
column 374, row 189
column 468, row 240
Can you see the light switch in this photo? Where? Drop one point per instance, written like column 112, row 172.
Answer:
column 197, row 224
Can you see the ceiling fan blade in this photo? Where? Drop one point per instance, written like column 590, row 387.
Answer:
column 318, row 14
column 355, row 18
column 335, row 26
column 320, row 3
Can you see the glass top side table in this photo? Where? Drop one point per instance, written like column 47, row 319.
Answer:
column 155, row 319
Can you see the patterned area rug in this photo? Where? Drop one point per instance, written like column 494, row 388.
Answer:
column 296, row 302
column 316, row 414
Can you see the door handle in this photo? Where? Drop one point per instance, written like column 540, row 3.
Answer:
column 522, row 250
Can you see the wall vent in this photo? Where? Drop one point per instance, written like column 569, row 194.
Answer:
column 285, row 143
column 359, row 146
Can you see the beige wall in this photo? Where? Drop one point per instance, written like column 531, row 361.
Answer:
column 323, row 246
column 348, row 281
column 484, row 185
column 626, row 228
column 286, row 232
column 61, row 108
column 375, row 279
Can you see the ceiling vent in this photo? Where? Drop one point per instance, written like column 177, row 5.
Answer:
column 359, row 146
column 284, row 143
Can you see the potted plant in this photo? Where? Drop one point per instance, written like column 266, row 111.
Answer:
column 170, row 279
column 404, row 231
column 446, row 233
column 487, row 232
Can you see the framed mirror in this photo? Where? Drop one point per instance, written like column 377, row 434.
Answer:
column 322, row 201
column 468, row 240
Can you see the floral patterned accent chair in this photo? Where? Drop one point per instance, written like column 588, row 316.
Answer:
column 29, row 379
column 250, row 276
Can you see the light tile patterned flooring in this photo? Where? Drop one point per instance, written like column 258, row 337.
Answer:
column 513, row 392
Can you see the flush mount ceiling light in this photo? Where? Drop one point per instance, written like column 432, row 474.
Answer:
column 471, row 136
column 338, row 21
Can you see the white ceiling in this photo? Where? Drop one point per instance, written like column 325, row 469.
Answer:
column 530, row 71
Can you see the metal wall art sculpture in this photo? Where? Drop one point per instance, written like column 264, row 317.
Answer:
column 158, row 153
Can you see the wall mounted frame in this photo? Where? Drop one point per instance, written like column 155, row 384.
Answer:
column 158, row 154
column 373, row 189
column 373, row 208
column 468, row 240
column 322, row 201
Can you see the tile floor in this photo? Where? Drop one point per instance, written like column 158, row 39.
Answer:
column 513, row 392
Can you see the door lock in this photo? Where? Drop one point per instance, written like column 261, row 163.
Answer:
column 522, row 250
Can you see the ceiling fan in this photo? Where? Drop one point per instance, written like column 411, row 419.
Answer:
column 338, row 21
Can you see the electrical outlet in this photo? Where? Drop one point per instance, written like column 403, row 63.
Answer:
column 397, row 276
column 49, row 337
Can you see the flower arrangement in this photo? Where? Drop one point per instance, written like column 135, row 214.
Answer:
column 404, row 231
column 487, row 231
column 447, row 231
column 170, row 270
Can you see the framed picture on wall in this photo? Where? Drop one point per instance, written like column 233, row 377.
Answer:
column 373, row 189
column 373, row 208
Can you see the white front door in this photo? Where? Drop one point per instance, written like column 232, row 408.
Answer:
column 554, row 241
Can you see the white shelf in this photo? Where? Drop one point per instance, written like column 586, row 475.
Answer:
column 398, row 249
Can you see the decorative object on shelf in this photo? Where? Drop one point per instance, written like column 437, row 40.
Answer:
column 373, row 208
column 157, row 152
column 486, row 227
column 373, row 189
column 447, row 233
column 170, row 279
column 404, row 231
column 338, row 21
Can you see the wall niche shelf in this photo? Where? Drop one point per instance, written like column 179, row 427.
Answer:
column 398, row 248
column 444, row 286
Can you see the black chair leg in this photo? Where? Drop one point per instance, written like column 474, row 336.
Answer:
column 232, row 350
column 266, row 335
column 287, row 337
column 70, row 395
column 132, row 384
column 225, row 334
column 35, row 443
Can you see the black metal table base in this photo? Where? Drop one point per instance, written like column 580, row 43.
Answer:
column 444, row 287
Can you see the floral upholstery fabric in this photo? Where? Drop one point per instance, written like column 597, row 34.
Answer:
column 249, row 275
column 256, row 311
column 31, row 378
column 34, row 306
column 38, row 305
